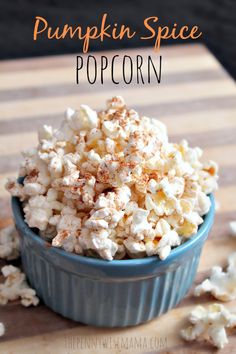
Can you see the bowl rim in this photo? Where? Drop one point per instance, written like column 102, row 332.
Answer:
column 90, row 261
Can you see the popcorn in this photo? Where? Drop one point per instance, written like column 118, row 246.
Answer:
column 45, row 132
column 39, row 210
column 203, row 204
column 66, row 240
column 15, row 287
column 110, row 145
column 99, row 241
column 189, row 224
column 68, row 224
column 34, row 189
column 110, row 184
column 116, row 102
column 94, row 157
column 9, row 243
column 55, row 166
column 161, row 204
column 15, row 188
column 111, row 129
column 70, row 162
column 217, row 205
column 134, row 248
column 140, row 225
column 83, row 119
column 2, row 329
column 172, row 188
column 209, row 324
column 169, row 238
column 207, row 177
column 232, row 226
column 222, row 285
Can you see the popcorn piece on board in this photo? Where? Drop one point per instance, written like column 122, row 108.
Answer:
column 222, row 285
column 217, row 205
column 232, row 226
column 15, row 287
column 9, row 243
column 209, row 324
column 2, row 329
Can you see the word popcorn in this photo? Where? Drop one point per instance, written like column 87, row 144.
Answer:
column 120, row 69
column 110, row 184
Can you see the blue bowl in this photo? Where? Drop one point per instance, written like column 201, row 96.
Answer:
column 118, row 293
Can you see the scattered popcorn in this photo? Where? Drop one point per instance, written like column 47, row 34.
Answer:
column 209, row 324
column 217, row 205
column 222, row 285
column 232, row 226
column 15, row 287
column 9, row 243
column 2, row 329
column 110, row 184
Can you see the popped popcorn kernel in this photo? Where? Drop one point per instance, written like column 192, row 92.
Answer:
column 9, row 243
column 209, row 324
column 232, row 227
column 222, row 285
column 2, row 329
column 15, row 287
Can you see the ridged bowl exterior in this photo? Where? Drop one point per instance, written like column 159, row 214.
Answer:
column 109, row 294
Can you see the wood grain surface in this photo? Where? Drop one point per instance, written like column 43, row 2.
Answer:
column 197, row 101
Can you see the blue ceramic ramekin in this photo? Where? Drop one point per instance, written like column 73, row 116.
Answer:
column 112, row 294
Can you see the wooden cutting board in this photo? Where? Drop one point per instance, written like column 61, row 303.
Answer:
column 197, row 101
